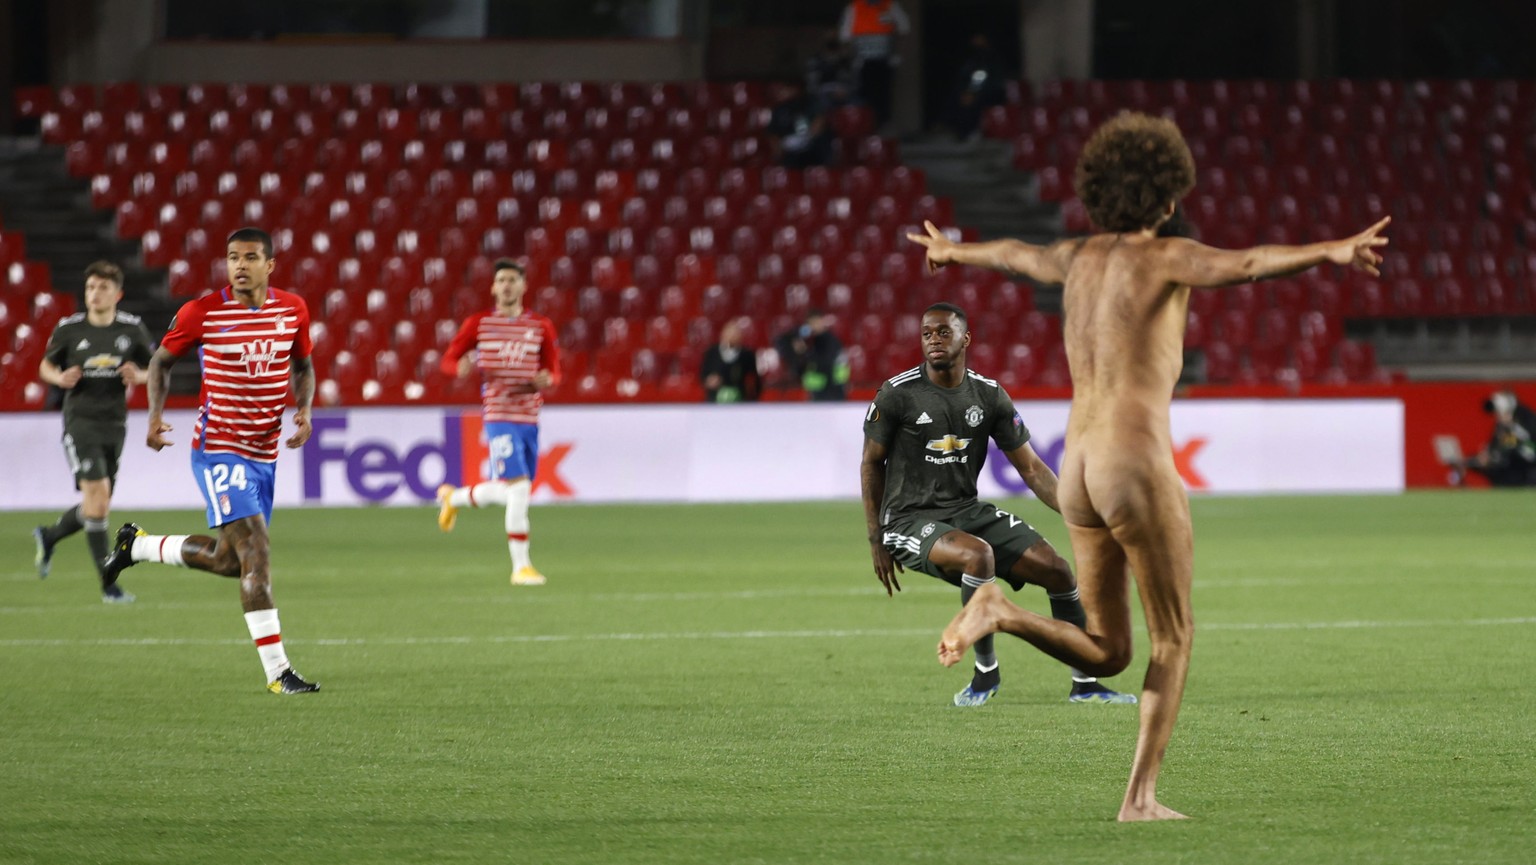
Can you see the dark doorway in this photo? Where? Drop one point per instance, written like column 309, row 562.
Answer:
column 23, row 57
column 945, row 33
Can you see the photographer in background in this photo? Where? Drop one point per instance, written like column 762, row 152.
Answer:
column 814, row 355
column 801, row 129
column 1509, row 458
column 729, row 369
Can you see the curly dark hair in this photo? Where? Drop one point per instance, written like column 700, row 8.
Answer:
column 1131, row 168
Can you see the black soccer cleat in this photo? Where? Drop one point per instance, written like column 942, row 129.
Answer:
column 121, row 557
column 290, row 682
column 43, row 557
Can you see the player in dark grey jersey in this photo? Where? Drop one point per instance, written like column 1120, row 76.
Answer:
column 925, row 442
column 94, row 356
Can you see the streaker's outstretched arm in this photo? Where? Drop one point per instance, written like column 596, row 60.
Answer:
column 1046, row 264
column 1189, row 262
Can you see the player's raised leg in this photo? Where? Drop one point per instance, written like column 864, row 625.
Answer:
column 1103, row 648
column 45, row 538
column 242, row 549
column 510, row 495
column 197, row 552
column 1042, row 566
column 451, row 498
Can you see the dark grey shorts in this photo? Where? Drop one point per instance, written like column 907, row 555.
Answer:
column 910, row 538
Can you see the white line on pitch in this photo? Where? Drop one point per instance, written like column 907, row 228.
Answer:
column 729, row 635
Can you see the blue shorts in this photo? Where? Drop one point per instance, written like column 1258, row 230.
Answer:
column 234, row 487
column 514, row 450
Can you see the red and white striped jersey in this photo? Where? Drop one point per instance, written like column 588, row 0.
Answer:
column 246, row 355
column 508, row 353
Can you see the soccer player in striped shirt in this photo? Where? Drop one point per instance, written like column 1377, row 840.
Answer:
column 516, row 352
column 251, row 338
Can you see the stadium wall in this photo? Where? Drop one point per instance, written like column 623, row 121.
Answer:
column 100, row 41
column 688, row 453
column 426, row 62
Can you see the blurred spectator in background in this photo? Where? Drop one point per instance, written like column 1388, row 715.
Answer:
column 729, row 370
column 870, row 28
column 829, row 73
column 801, row 129
column 980, row 86
column 1509, row 458
column 814, row 355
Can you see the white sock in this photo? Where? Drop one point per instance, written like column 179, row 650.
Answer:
column 159, row 548
column 517, row 523
column 269, row 641
column 986, row 657
column 479, row 495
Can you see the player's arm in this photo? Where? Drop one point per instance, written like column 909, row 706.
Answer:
column 456, row 360
column 50, row 373
column 1046, row 264
column 132, row 373
column 1189, row 262
column 51, row 369
column 133, row 370
column 158, row 378
column 1038, row 475
column 872, row 483
column 549, row 359
column 303, row 398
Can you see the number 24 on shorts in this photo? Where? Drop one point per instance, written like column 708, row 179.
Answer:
column 221, row 477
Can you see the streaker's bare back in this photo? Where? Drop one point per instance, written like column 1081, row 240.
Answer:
column 1124, row 331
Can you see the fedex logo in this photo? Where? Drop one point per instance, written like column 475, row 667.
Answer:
column 378, row 469
column 1184, row 454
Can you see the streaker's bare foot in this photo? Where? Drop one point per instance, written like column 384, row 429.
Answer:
column 1154, row 810
column 977, row 619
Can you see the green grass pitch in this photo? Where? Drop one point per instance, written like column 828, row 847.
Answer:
column 729, row 684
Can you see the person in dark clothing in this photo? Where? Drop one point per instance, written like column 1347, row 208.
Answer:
column 94, row 356
column 801, row 129
column 829, row 74
column 814, row 355
column 979, row 87
column 870, row 28
column 1509, row 458
column 729, row 369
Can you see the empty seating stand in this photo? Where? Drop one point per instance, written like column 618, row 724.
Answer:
column 1304, row 160
column 388, row 203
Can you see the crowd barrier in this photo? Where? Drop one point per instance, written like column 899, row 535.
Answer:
column 705, row 453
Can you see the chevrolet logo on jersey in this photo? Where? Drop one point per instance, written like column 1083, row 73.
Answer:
column 948, row 444
column 101, row 365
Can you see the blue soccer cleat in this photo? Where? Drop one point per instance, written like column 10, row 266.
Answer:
column 969, row 697
column 1093, row 692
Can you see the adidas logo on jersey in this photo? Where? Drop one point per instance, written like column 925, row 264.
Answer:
column 84, row 344
column 923, row 418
